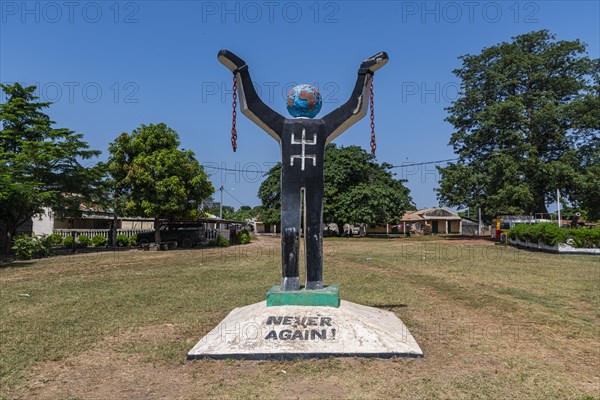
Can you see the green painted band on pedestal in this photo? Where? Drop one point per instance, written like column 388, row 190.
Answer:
column 329, row 296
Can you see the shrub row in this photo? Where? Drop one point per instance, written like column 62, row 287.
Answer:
column 125, row 241
column 99, row 241
column 27, row 247
column 242, row 237
column 551, row 234
column 220, row 241
column 84, row 241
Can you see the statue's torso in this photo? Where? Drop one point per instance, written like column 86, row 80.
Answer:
column 303, row 149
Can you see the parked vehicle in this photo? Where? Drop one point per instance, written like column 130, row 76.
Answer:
column 505, row 222
column 186, row 234
column 354, row 230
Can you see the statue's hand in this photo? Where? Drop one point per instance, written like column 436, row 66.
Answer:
column 375, row 62
column 230, row 60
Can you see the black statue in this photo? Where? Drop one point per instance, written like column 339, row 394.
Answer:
column 302, row 141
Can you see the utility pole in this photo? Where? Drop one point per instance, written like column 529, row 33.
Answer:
column 558, row 204
column 479, row 225
column 221, row 204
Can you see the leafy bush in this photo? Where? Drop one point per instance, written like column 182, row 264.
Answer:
column 68, row 241
column 585, row 237
column 220, row 241
column 551, row 234
column 83, row 241
column 99, row 241
column 517, row 231
column 133, row 240
column 27, row 247
column 54, row 239
column 122, row 240
column 243, row 237
column 532, row 233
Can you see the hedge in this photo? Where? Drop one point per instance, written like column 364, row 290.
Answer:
column 551, row 233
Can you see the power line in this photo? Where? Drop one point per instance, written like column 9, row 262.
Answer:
column 233, row 197
column 393, row 166
column 234, row 170
column 424, row 163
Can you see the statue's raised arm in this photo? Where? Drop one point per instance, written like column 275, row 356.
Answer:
column 250, row 104
column 356, row 107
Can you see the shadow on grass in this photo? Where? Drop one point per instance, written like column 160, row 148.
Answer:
column 10, row 260
column 388, row 306
column 460, row 237
column 412, row 238
column 12, row 263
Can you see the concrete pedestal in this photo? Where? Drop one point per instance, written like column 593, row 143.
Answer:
column 258, row 332
column 329, row 296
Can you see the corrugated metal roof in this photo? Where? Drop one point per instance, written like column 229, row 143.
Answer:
column 422, row 215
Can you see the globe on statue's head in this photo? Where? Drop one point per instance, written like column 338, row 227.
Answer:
column 304, row 101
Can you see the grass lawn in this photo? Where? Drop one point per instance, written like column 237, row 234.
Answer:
column 493, row 322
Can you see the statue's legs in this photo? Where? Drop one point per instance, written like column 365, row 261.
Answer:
column 313, row 238
column 290, row 236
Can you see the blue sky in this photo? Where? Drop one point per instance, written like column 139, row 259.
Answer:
column 110, row 66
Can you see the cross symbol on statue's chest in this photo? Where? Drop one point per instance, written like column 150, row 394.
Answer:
column 304, row 156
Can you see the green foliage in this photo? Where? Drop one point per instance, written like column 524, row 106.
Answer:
column 516, row 231
column 154, row 178
column 213, row 208
column 54, row 239
column 269, row 193
column 547, row 232
column 589, row 238
column 68, row 241
column 586, row 190
column 243, row 237
column 123, row 240
column 83, row 241
column 220, row 241
column 245, row 212
column 357, row 189
column 527, row 122
column 40, row 164
column 568, row 213
column 550, row 234
column 99, row 241
column 27, row 247
column 133, row 241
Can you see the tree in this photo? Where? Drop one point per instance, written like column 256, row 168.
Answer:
column 357, row 189
column 269, row 194
column 214, row 208
column 246, row 212
column 527, row 122
column 241, row 214
column 40, row 166
column 154, row 178
column 585, row 190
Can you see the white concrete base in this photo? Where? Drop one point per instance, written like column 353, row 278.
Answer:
column 259, row 332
